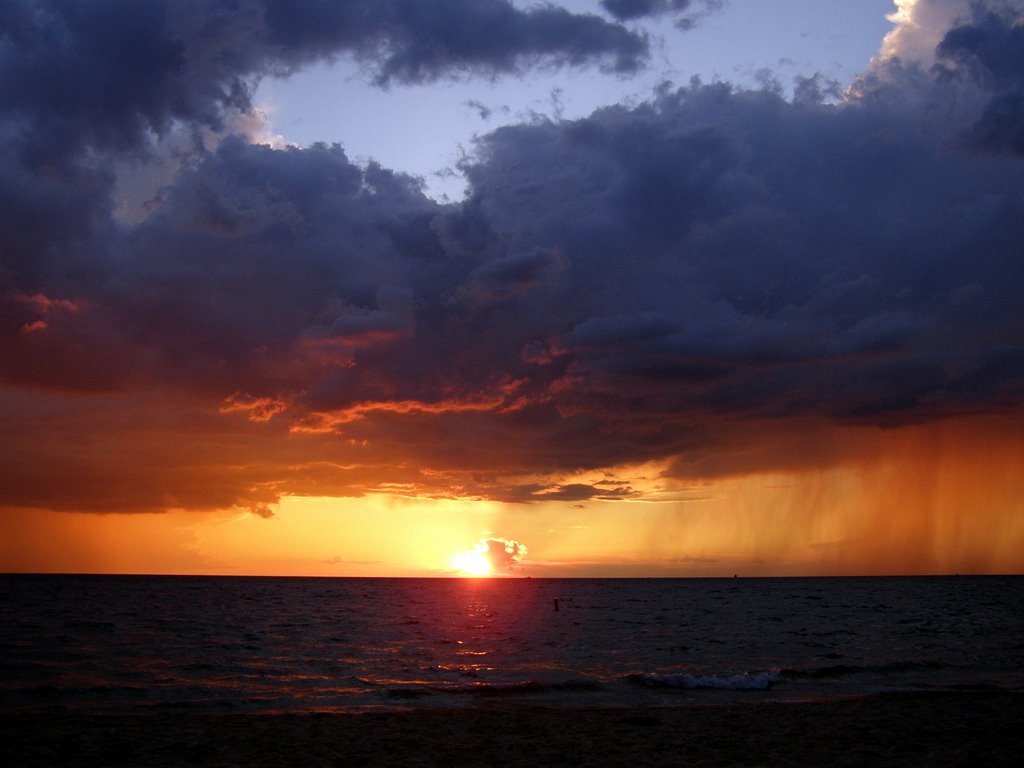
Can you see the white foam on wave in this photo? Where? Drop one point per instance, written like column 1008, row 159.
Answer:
column 760, row 681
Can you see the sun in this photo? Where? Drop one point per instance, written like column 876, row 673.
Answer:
column 472, row 562
column 492, row 556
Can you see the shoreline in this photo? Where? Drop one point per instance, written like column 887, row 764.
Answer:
column 906, row 729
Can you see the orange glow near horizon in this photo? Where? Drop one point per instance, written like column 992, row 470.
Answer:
column 931, row 499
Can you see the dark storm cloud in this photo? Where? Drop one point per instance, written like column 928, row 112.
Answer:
column 682, row 280
column 731, row 251
column 277, row 262
column 535, row 492
column 686, row 12
column 990, row 48
column 425, row 40
column 103, row 72
column 635, row 9
column 81, row 79
column 515, row 274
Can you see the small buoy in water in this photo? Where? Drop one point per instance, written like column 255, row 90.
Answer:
column 556, row 603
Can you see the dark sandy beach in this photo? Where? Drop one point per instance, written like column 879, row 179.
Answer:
column 941, row 729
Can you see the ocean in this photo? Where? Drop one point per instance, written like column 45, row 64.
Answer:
column 131, row 644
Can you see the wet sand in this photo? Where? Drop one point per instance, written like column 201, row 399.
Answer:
column 941, row 729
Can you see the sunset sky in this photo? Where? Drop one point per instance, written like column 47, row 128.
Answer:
column 593, row 288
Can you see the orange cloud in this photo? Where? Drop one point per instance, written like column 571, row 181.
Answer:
column 255, row 408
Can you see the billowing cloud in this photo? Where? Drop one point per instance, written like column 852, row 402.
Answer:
column 503, row 554
column 81, row 80
column 919, row 26
column 694, row 281
column 989, row 48
column 262, row 510
column 100, row 72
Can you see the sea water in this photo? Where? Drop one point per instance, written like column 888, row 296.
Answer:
column 158, row 643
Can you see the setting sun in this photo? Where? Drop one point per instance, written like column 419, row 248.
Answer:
column 490, row 557
column 472, row 562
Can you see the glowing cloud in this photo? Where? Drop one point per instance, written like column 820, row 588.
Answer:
column 919, row 27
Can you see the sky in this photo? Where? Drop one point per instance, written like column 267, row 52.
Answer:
column 607, row 288
column 425, row 131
